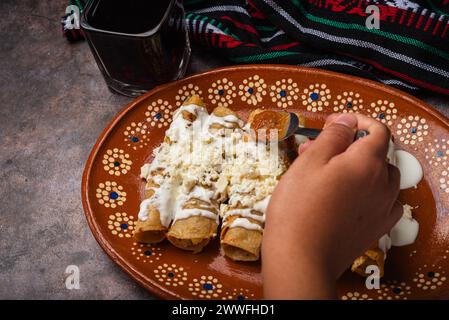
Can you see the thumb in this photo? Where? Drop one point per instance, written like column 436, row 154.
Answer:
column 337, row 136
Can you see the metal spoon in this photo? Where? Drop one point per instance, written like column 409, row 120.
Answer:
column 311, row 133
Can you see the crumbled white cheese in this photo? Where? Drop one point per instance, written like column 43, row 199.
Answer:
column 207, row 163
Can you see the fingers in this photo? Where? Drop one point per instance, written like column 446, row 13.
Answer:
column 376, row 142
column 304, row 146
column 337, row 136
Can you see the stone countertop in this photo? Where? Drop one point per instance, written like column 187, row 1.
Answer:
column 54, row 106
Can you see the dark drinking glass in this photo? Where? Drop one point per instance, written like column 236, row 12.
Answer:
column 137, row 44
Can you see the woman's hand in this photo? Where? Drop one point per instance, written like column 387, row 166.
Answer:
column 335, row 201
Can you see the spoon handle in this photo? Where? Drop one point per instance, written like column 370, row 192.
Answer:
column 313, row 133
column 310, row 133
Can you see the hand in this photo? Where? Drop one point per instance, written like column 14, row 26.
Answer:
column 335, row 201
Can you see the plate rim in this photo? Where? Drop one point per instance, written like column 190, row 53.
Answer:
column 133, row 272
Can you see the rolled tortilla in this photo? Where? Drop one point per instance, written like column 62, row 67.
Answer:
column 196, row 223
column 224, row 118
column 241, row 235
column 196, row 216
column 155, row 214
column 150, row 229
column 249, row 193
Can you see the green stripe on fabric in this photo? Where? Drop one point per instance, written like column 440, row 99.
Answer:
column 195, row 17
column 265, row 28
column 385, row 34
column 263, row 56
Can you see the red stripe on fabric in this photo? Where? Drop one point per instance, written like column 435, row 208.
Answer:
column 285, row 46
column 221, row 38
column 404, row 13
column 429, row 21
column 419, row 21
column 240, row 25
column 255, row 12
column 230, row 42
column 235, row 43
column 437, row 26
column 403, row 76
column 410, row 20
column 443, row 35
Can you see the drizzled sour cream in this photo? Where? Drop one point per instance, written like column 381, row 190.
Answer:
column 406, row 229
column 193, row 164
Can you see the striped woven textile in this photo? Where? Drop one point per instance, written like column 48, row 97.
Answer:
column 410, row 51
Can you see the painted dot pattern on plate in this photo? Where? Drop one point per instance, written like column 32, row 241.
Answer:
column 238, row 294
column 355, row 296
column 116, row 162
column 159, row 113
column 222, row 92
column 146, row 253
column 110, row 194
column 444, row 181
column 429, row 277
column 412, row 129
column 186, row 92
column 121, row 225
column 170, row 275
column 436, row 152
column 136, row 135
column 284, row 93
column 348, row 102
column 206, row 287
column 252, row 90
column 394, row 290
column 316, row 97
column 383, row 111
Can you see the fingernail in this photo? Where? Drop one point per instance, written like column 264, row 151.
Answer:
column 347, row 120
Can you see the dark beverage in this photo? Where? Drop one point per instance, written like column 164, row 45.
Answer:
column 138, row 44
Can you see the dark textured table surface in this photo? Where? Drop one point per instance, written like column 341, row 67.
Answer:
column 54, row 106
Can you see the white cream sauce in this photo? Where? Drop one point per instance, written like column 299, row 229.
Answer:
column 403, row 233
column 244, row 213
column 246, row 224
column 186, row 213
column 162, row 200
column 228, row 121
column 410, row 168
column 405, row 230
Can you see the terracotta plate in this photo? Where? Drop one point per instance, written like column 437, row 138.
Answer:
column 112, row 189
